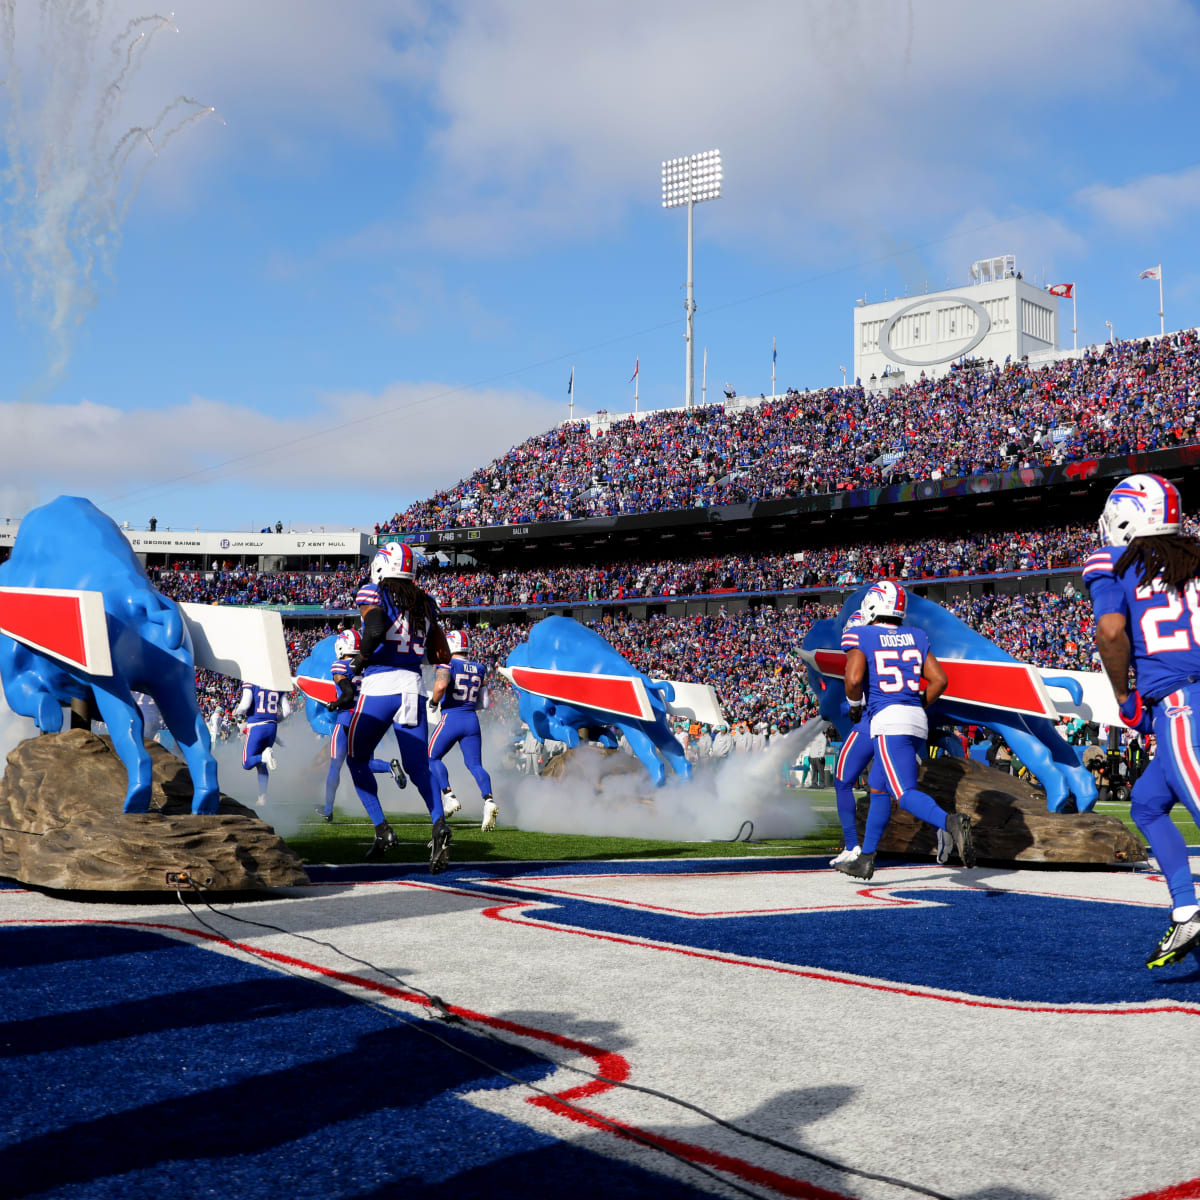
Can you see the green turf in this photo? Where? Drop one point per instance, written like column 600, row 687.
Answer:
column 349, row 837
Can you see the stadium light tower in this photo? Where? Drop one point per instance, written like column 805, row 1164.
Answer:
column 691, row 180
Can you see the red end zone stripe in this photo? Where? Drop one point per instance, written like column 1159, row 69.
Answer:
column 610, row 693
column 324, row 690
column 49, row 622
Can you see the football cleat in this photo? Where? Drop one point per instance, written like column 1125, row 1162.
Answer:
column 450, row 802
column 268, row 757
column 1179, row 940
column 847, row 855
column 327, row 817
column 439, row 847
column 490, row 809
column 958, row 826
column 861, row 866
column 385, row 839
column 398, row 773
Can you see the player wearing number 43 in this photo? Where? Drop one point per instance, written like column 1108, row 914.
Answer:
column 460, row 689
column 400, row 631
column 262, row 710
column 885, row 662
column 1146, row 598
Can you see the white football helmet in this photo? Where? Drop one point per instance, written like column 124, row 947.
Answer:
column 393, row 561
column 348, row 643
column 884, row 599
column 854, row 620
column 1140, row 506
column 456, row 639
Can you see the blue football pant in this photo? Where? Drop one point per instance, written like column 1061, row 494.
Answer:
column 461, row 726
column 1173, row 775
column 259, row 737
column 369, row 721
column 897, row 755
column 337, row 756
column 857, row 752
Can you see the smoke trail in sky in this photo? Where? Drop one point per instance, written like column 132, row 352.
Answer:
column 70, row 176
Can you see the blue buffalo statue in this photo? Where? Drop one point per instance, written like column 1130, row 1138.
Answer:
column 70, row 544
column 317, row 665
column 1034, row 740
column 578, row 681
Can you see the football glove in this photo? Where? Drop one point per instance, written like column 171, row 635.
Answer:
column 342, row 703
column 1134, row 713
column 855, row 712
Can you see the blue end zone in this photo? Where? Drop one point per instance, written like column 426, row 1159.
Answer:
column 137, row 1065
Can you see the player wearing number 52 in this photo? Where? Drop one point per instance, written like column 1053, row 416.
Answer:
column 400, row 631
column 262, row 709
column 1146, row 597
column 885, row 663
column 461, row 691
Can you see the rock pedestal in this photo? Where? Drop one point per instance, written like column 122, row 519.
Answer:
column 61, row 825
column 1009, row 820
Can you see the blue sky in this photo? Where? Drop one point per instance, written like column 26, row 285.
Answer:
column 373, row 266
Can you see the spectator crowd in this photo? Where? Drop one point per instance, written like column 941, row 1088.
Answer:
column 1119, row 398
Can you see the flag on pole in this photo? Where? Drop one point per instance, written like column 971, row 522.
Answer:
column 773, row 352
column 571, row 384
column 636, row 365
column 1152, row 272
column 1066, row 290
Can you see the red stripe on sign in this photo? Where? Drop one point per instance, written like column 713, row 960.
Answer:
column 995, row 684
column 831, row 662
column 610, row 693
column 49, row 622
column 323, row 690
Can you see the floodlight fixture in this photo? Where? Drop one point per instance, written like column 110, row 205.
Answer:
column 691, row 180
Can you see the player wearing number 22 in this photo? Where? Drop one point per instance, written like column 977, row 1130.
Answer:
column 1146, row 597
column 400, row 631
column 885, row 662
column 461, row 690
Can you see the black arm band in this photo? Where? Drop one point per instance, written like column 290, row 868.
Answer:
column 375, row 627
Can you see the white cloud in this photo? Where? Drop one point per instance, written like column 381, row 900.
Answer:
column 1148, row 204
column 364, row 450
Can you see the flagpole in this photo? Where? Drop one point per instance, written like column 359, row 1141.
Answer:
column 571, row 393
column 704, row 376
column 1074, row 322
column 772, row 366
column 636, row 382
column 1162, row 325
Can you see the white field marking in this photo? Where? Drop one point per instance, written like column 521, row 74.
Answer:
column 801, row 1055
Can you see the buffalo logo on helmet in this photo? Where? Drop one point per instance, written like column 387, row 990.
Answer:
column 884, row 599
column 393, row 561
column 1140, row 506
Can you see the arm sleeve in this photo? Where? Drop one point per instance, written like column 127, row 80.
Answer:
column 1099, row 576
column 243, row 704
column 375, row 627
column 285, row 707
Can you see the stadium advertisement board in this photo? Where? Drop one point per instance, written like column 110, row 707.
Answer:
column 1158, row 461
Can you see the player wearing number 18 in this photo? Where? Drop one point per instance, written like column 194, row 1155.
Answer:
column 885, row 663
column 399, row 632
column 461, row 690
column 1146, row 598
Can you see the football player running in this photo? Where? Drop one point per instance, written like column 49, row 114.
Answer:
column 348, row 684
column 885, row 663
column 262, row 708
column 1145, row 595
column 400, row 631
column 461, row 690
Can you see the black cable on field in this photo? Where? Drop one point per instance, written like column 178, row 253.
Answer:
column 439, row 1005
column 422, row 1027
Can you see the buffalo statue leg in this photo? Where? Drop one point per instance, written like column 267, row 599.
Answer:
column 183, row 719
column 640, row 743
column 127, row 730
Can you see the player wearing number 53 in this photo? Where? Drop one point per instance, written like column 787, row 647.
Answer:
column 885, row 663
column 400, row 631
column 461, row 691
column 1146, row 597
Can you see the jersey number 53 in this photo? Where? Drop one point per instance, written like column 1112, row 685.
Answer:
column 896, row 670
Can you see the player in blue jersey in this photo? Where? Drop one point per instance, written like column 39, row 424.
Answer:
column 400, row 631
column 461, row 690
column 853, row 760
column 1145, row 589
column 885, row 663
column 262, row 709
column 342, row 672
